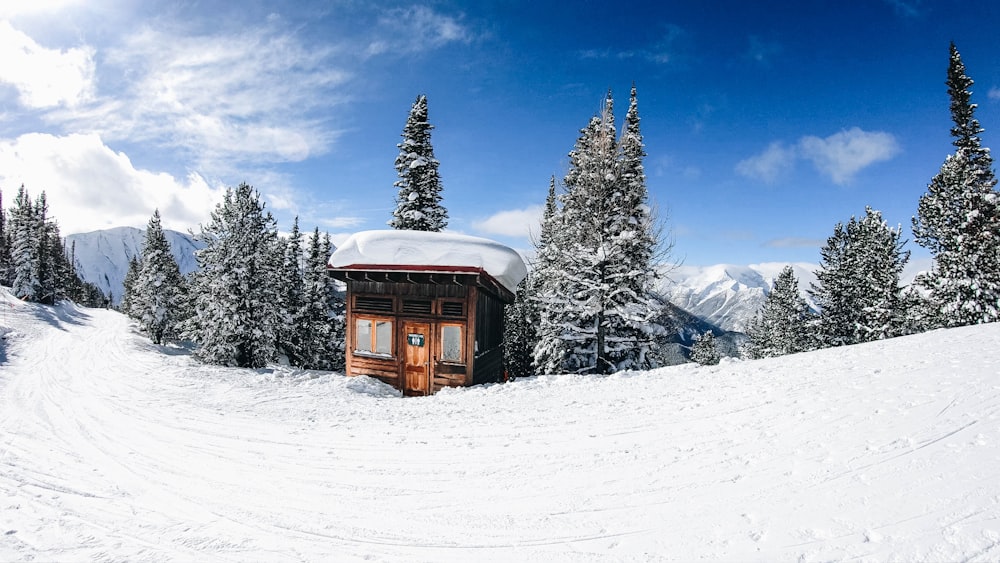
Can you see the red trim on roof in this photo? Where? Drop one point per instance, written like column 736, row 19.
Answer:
column 411, row 268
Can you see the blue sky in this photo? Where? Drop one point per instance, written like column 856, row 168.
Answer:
column 765, row 122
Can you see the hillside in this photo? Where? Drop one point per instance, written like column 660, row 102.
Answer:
column 114, row 449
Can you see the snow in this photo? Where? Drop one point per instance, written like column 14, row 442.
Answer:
column 114, row 449
column 420, row 248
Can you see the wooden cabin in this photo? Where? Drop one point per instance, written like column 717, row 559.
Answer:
column 425, row 310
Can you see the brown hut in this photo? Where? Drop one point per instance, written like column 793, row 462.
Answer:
column 425, row 310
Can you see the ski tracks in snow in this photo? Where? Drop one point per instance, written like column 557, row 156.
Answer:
column 113, row 449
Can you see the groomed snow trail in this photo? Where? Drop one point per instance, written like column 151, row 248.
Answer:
column 113, row 449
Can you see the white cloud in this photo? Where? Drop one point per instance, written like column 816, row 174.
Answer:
column 994, row 93
column 16, row 8
column 45, row 77
column 769, row 165
column 840, row 156
column 89, row 186
column 524, row 223
column 415, row 29
column 260, row 96
column 843, row 154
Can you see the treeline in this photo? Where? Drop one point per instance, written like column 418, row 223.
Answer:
column 858, row 290
column 255, row 298
column 34, row 260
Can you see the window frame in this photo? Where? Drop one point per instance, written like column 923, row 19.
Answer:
column 373, row 331
column 461, row 343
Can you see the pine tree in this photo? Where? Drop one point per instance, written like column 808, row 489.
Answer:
column 857, row 287
column 25, row 233
column 550, row 350
column 321, row 317
column 596, row 303
column 157, row 292
column 418, row 203
column 236, row 292
column 5, row 262
column 705, row 351
column 781, row 327
column 129, row 288
column 519, row 332
column 292, row 298
column 958, row 219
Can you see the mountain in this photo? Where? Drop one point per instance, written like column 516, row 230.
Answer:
column 102, row 257
column 728, row 295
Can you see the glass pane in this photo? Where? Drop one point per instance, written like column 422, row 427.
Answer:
column 363, row 335
column 383, row 337
column 451, row 343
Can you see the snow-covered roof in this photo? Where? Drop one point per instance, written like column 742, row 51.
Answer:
column 423, row 251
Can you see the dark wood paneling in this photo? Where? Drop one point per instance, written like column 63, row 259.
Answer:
column 489, row 367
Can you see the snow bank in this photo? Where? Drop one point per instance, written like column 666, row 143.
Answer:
column 112, row 449
column 418, row 249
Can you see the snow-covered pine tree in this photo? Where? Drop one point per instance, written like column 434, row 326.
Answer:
column 597, row 298
column 292, row 297
column 158, row 293
column 336, row 305
column 550, row 350
column 781, row 326
column 236, row 292
column 704, row 350
column 857, row 287
column 418, row 203
column 128, row 289
column 318, row 325
column 5, row 266
column 25, row 232
column 958, row 219
column 519, row 332
column 630, row 273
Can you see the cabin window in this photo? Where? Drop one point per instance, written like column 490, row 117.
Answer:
column 373, row 336
column 451, row 344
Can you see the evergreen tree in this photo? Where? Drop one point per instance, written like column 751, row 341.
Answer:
column 596, row 303
column 5, row 262
column 705, row 351
column 157, row 292
column 781, row 327
column 25, row 234
column 418, row 203
column 958, row 219
column 292, row 298
column 519, row 332
column 128, row 294
column 857, row 288
column 321, row 316
column 336, row 305
column 550, row 350
column 236, row 291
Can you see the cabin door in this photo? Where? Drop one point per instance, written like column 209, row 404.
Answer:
column 416, row 374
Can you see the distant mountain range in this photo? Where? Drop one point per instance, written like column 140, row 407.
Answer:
column 102, row 257
column 726, row 295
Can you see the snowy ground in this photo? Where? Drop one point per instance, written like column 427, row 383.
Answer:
column 113, row 449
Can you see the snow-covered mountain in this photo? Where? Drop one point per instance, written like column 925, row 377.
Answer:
column 728, row 295
column 113, row 449
column 102, row 257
